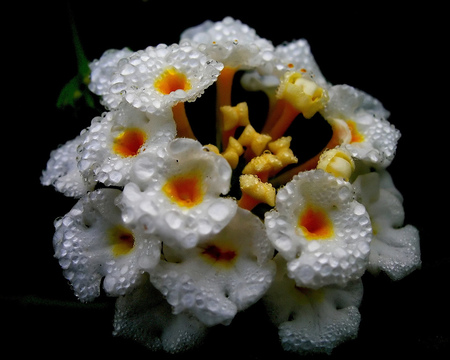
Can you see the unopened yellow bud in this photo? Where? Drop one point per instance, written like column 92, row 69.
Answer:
column 302, row 93
column 281, row 149
column 337, row 162
column 256, row 141
column 260, row 191
column 266, row 163
column 234, row 116
column 233, row 151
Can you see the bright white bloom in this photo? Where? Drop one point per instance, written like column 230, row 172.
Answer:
column 102, row 71
column 115, row 140
column 395, row 248
column 145, row 316
column 62, row 171
column 222, row 275
column 320, row 229
column 91, row 243
column 159, row 77
column 177, row 193
column 363, row 128
column 313, row 321
column 230, row 42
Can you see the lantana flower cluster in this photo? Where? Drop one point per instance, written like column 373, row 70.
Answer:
column 186, row 234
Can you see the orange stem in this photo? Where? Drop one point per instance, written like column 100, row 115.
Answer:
column 247, row 202
column 274, row 115
column 224, row 84
column 183, row 127
column 283, row 122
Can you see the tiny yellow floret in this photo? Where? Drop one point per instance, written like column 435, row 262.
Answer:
column 267, row 163
column 281, row 149
column 337, row 162
column 303, row 94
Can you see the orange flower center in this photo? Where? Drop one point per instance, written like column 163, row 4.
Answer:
column 171, row 80
column 356, row 135
column 129, row 142
column 315, row 223
column 185, row 190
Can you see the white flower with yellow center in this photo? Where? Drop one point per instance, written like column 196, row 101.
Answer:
column 320, row 229
column 359, row 122
column 117, row 139
column 395, row 248
column 312, row 321
column 222, row 275
column 177, row 193
column 62, row 170
column 102, row 71
column 92, row 244
column 159, row 77
column 230, row 42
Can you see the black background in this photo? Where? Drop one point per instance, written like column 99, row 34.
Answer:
column 392, row 54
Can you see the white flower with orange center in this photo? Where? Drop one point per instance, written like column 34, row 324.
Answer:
column 360, row 126
column 159, row 77
column 223, row 274
column 395, row 247
column 312, row 320
column 177, row 193
column 115, row 141
column 320, row 229
column 93, row 244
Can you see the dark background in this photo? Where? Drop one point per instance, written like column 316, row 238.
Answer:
column 392, row 54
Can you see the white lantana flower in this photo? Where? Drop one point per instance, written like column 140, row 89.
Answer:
column 102, row 71
column 395, row 248
column 92, row 243
column 176, row 193
column 222, row 275
column 117, row 139
column 145, row 316
column 361, row 122
column 62, row 170
column 230, row 42
column 159, row 77
column 312, row 321
column 320, row 229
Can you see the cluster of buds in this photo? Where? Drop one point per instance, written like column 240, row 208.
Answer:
column 186, row 234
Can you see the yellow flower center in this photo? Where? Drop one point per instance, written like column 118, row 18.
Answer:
column 121, row 240
column 171, row 80
column 185, row 190
column 129, row 142
column 315, row 223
